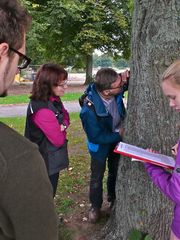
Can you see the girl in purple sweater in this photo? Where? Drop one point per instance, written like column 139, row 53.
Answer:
column 47, row 120
column 169, row 183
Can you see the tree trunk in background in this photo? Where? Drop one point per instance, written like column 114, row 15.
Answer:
column 150, row 122
column 89, row 65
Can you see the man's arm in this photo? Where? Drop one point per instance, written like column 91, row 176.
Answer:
column 28, row 199
column 95, row 132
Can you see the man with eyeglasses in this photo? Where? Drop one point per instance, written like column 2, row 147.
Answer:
column 26, row 200
column 102, row 115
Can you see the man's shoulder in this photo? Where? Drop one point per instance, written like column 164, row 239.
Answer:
column 12, row 143
column 13, row 147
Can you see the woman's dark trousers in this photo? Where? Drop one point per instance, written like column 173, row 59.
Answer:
column 54, row 182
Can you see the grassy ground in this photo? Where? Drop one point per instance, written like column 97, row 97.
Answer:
column 24, row 98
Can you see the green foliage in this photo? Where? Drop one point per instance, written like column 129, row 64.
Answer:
column 121, row 63
column 105, row 60
column 35, row 49
column 138, row 235
column 130, row 5
column 135, row 235
column 66, row 31
column 148, row 237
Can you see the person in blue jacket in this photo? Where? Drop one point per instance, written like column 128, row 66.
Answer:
column 102, row 116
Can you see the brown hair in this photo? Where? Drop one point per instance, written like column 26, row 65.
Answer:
column 172, row 73
column 14, row 23
column 104, row 78
column 48, row 76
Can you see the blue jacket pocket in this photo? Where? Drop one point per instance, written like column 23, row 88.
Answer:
column 92, row 146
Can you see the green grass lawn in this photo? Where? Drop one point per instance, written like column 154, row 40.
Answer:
column 16, row 123
column 15, row 99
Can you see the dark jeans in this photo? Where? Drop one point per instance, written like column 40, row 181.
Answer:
column 96, row 180
column 54, row 182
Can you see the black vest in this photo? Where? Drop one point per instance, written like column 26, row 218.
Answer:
column 55, row 158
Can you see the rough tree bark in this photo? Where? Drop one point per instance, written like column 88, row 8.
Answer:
column 89, row 65
column 150, row 122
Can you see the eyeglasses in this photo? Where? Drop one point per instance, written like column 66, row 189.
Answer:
column 112, row 88
column 24, row 61
column 120, row 84
column 62, row 84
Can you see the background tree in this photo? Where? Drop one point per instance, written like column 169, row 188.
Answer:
column 150, row 122
column 102, row 61
column 105, row 60
column 34, row 46
column 121, row 63
column 70, row 31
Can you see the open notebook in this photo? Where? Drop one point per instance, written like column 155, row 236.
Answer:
column 140, row 154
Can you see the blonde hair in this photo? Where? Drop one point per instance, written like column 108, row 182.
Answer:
column 172, row 73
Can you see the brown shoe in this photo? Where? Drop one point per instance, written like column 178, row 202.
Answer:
column 94, row 215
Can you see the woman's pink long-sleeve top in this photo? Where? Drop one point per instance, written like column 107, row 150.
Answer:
column 45, row 119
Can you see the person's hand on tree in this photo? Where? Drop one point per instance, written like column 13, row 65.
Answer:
column 174, row 149
column 152, row 150
column 125, row 76
column 121, row 131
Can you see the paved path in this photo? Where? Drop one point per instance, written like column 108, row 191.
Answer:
column 20, row 109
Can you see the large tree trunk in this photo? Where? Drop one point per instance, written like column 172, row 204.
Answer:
column 149, row 123
column 89, row 64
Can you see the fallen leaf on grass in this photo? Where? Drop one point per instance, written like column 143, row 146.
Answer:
column 84, row 219
column 70, row 168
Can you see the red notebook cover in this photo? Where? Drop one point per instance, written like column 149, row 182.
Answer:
column 145, row 156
